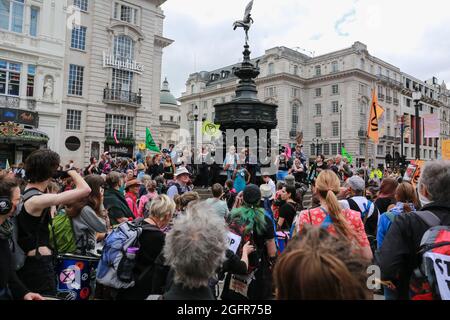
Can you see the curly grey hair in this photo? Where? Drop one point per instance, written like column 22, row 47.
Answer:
column 195, row 247
column 436, row 178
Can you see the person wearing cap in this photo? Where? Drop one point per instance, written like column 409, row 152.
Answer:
column 181, row 185
column 267, row 180
column 266, row 198
column 131, row 196
column 358, row 202
column 259, row 230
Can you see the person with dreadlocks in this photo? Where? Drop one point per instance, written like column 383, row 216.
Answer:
column 248, row 223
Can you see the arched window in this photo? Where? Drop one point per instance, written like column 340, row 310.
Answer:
column 296, row 70
column 124, row 47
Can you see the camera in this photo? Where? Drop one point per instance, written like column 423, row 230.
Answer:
column 60, row 175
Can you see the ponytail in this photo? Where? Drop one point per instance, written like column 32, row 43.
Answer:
column 334, row 209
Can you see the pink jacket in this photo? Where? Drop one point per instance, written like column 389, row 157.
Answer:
column 131, row 199
column 143, row 201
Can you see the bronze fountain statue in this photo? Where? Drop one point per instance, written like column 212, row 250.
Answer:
column 247, row 22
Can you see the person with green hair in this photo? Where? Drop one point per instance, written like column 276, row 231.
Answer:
column 248, row 223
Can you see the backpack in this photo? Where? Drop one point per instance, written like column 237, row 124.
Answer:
column 109, row 271
column 430, row 280
column 62, row 236
column 239, row 230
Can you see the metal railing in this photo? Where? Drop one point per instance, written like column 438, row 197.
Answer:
column 9, row 102
column 120, row 96
column 390, row 81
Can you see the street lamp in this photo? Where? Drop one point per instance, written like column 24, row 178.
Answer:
column 196, row 114
column 340, row 130
column 318, row 142
column 417, row 96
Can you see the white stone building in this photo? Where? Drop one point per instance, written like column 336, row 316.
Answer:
column 112, row 78
column 310, row 92
column 169, row 117
column 32, row 47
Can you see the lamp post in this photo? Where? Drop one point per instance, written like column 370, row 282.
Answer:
column 195, row 113
column 340, row 130
column 318, row 142
column 417, row 96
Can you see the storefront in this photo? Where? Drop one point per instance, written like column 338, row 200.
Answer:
column 16, row 142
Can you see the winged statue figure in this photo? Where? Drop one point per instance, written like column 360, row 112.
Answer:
column 247, row 22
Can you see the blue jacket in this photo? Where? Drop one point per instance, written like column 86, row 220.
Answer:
column 385, row 223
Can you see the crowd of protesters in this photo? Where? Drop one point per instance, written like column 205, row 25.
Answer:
column 357, row 218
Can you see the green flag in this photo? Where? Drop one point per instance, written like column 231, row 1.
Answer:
column 346, row 155
column 150, row 143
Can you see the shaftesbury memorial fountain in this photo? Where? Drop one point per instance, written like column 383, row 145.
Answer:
column 250, row 120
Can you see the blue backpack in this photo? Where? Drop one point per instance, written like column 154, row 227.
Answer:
column 126, row 235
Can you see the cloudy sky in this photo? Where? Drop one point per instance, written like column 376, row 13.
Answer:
column 413, row 35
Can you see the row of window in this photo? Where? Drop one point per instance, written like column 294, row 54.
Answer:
column 123, row 49
column 10, row 78
column 334, row 108
column 122, row 11
column 334, row 129
column 327, row 149
column 10, row 74
column 295, row 92
column 123, row 125
column 12, row 17
column 172, row 118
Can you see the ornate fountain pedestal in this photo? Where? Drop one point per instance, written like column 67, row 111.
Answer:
column 246, row 112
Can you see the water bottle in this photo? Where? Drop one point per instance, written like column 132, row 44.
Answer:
column 127, row 264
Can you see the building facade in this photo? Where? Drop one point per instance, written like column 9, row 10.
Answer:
column 112, row 78
column 169, row 117
column 32, row 48
column 314, row 93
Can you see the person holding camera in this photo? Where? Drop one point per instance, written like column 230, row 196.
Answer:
column 282, row 163
column 37, row 274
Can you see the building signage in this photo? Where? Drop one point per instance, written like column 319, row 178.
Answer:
column 24, row 117
column 111, row 61
column 119, row 150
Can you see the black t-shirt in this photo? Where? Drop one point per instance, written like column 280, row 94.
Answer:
column 33, row 229
column 287, row 211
